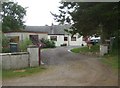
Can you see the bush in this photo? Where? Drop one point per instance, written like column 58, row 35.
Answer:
column 48, row 43
column 5, row 50
column 24, row 44
column 5, row 41
column 5, row 44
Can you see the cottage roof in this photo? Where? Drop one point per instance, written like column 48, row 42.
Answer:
column 54, row 29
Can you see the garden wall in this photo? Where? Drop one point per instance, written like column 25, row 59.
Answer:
column 15, row 60
column 20, row 60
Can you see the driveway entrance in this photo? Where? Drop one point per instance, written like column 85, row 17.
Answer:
column 68, row 69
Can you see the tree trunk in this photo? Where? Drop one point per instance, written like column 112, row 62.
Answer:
column 103, row 36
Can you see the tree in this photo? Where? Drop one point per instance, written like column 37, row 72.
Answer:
column 12, row 16
column 88, row 18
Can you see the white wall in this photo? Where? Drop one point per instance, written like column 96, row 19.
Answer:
column 24, row 35
column 79, row 41
column 60, row 40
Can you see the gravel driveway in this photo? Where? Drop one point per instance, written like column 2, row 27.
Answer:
column 68, row 69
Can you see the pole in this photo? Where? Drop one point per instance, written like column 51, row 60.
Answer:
column 68, row 41
column 39, row 53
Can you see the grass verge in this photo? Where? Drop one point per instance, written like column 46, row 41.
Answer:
column 22, row 72
column 85, row 49
column 109, row 59
column 0, row 74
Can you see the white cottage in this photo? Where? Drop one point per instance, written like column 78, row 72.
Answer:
column 54, row 32
column 22, row 35
column 58, row 34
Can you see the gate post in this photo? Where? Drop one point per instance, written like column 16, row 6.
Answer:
column 103, row 49
column 34, row 58
column 39, row 53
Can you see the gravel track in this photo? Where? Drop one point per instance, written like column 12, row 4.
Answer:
column 68, row 69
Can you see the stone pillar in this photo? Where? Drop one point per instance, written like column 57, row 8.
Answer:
column 34, row 56
column 103, row 49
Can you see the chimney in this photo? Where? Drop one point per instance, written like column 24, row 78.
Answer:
column 52, row 29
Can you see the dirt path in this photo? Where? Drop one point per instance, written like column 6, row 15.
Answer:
column 68, row 69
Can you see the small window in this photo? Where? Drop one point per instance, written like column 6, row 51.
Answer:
column 54, row 38
column 14, row 39
column 73, row 38
column 65, row 38
column 33, row 37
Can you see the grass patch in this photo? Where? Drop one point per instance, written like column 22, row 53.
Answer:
column 85, row 49
column 0, row 73
column 22, row 72
column 111, row 61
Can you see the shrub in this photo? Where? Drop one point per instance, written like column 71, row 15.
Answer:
column 48, row 43
column 6, row 50
column 5, row 41
column 5, row 44
column 24, row 44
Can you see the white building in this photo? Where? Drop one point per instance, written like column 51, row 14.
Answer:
column 22, row 35
column 66, row 39
column 54, row 32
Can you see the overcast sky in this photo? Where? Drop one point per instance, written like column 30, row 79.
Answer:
column 38, row 11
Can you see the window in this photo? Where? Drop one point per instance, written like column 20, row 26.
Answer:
column 34, row 37
column 54, row 38
column 14, row 39
column 73, row 38
column 65, row 38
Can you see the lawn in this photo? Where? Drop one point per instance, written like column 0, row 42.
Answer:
column 22, row 72
column 85, row 49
